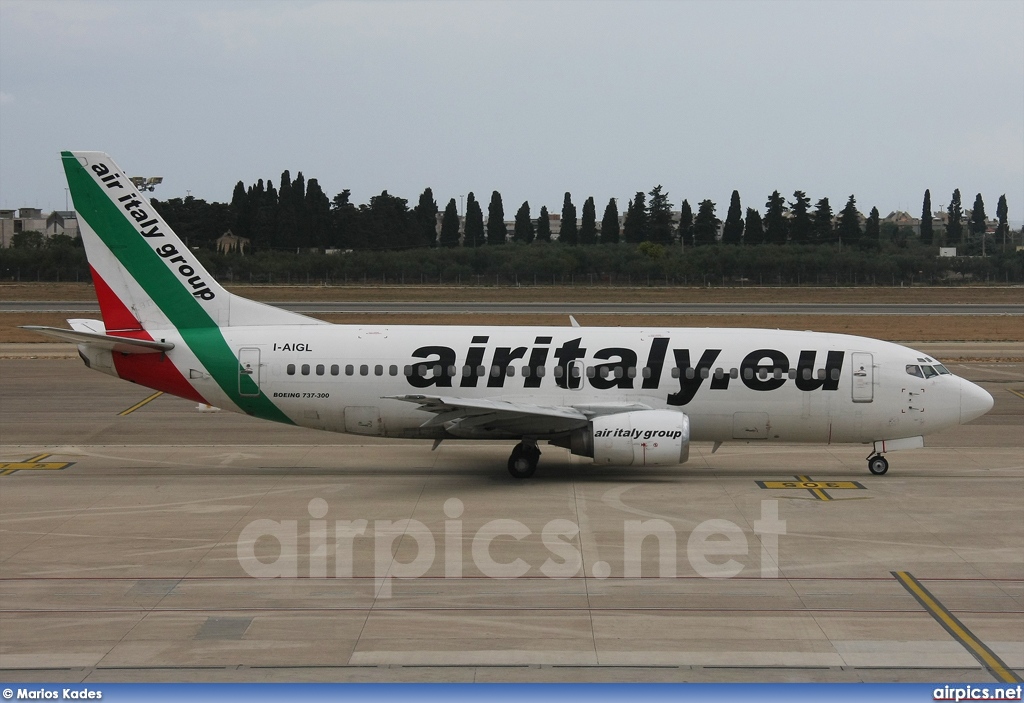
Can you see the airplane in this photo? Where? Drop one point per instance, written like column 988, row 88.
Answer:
column 623, row 396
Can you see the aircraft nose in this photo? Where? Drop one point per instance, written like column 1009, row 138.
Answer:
column 974, row 401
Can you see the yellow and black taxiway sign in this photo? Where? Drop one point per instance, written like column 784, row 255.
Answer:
column 806, row 483
column 35, row 463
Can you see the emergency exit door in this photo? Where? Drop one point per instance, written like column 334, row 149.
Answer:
column 863, row 377
column 249, row 372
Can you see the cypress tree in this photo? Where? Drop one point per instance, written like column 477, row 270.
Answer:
column 848, row 227
column 1002, row 213
column 705, row 225
column 927, row 231
column 753, row 227
column 569, row 233
column 523, row 230
column 588, row 223
column 822, row 225
column 775, row 230
column 955, row 220
column 474, row 226
column 732, row 232
column 318, row 214
column 634, row 229
column 425, row 216
column 497, row 232
column 872, row 231
column 659, row 217
column 544, row 225
column 978, row 216
column 610, row 223
column 450, row 225
column 686, row 224
column 800, row 226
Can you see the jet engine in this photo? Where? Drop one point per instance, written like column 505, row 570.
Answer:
column 641, row 438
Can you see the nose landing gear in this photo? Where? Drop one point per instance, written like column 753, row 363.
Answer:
column 877, row 464
column 523, row 461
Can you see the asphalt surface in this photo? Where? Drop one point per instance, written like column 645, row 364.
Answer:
column 131, row 549
column 584, row 308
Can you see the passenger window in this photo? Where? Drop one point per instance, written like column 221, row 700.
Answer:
column 792, row 373
column 591, row 372
column 705, row 372
column 510, row 371
column 393, row 370
column 495, row 371
column 776, row 374
column 364, row 370
column 453, row 371
column 540, row 372
column 748, row 373
column 437, row 370
column 290, row 369
column 631, row 372
column 943, row 370
column 378, row 370
column 305, row 369
column 481, row 370
column 835, row 374
column 618, row 372
column 929, row 372
column 821, row 374
column 407, row 370
column 675, row 372
column 734, row 373
column 467, row 371
column 689, row 373
column 645, row 372
column 807, row 374
column 335, row 369
column 558, row 372
column 719, row 372
column 914, row 370
column 320, row 370
column 526, row 371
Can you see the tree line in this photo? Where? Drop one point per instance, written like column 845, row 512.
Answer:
column 297, row 215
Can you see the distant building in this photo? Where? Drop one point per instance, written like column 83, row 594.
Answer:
column 31, row 219
column 229, row 242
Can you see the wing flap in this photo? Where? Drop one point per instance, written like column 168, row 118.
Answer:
column 478, row 417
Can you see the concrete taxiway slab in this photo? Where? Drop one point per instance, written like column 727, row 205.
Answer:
column 175, row 544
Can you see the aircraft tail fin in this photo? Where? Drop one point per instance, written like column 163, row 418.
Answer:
column 145, row 277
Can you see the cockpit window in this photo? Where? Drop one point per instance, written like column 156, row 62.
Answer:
column 914, row 370
column 929, row 372
column 943, row 370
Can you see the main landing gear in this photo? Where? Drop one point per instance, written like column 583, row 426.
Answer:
column 523, row 461
column 877, row 464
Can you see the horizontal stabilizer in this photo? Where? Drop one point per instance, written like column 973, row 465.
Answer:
column 125, row 345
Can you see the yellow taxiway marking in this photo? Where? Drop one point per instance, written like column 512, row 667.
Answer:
column 996, row 666
column 35, row 463
column 806, row 483
column 140, row 404
column 1019, row 394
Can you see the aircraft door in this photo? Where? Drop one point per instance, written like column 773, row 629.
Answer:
column 249, row 372
column 862, row 365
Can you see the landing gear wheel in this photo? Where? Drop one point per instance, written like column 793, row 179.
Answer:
column 878, row 465
column 523, row 461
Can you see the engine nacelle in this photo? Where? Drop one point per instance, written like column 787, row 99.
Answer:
column 641, row 438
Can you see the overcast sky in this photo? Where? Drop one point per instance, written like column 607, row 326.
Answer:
column 877, row 99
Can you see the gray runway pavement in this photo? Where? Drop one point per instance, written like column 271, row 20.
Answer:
column 145, row 556
column 583, row 308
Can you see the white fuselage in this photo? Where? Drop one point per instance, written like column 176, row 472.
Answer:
column 734, row 384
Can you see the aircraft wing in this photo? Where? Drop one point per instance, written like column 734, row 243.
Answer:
column 478, row 417
column 125, row 345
